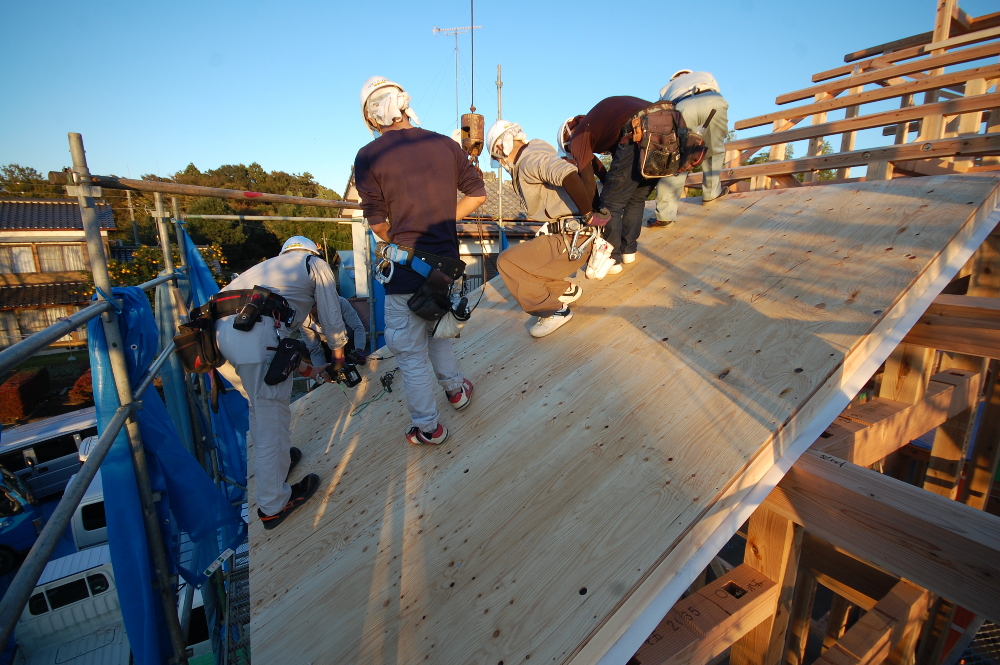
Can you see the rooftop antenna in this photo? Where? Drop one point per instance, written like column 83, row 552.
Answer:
column 471, row 125
column 456, row 32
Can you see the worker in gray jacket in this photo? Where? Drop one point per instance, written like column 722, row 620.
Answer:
column 299, row 280
column 553, row 192
column 319, row 349
column 695, row 95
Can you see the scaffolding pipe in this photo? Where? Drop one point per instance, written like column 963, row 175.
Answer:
column 278, row 218
column 19, row 591
column 161, row 228
column 111, row 182
column 14, row 355
column 116, row 355
column 154, row 369
column 178, row 221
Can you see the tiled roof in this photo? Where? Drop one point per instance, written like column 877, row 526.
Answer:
column 512, row 207
column 36, row 295
column 50, row 214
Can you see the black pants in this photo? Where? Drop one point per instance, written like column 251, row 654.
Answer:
column 624, row 195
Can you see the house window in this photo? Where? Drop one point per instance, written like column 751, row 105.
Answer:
column 10, row 333
column 34, row 320
column 16, row 258
column 60, row 258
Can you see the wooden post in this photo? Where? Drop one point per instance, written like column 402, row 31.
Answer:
column 992, row 125
column 776, row 154
column 969, row 122
column 906, row 373
column 816, row 144
column 932, row 126
column 801, row 618
column 773, row 547
column 847, row 138
column 836, row 623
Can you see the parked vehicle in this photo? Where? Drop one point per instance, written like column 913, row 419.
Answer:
column 21, row 519
column 89, row 524
column 74, row 617
column 46, row 453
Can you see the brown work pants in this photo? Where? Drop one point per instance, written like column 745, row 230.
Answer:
column 535, row 273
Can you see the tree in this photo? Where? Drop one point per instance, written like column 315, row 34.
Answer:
column 24, row 181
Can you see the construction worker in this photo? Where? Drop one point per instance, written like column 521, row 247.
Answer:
column 249, row 323
column 553, row 191
column 605, row 129
column 408, row 179
column 695, row 95
column 319, row 349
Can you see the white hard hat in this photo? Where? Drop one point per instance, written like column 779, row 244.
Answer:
column 509, row 132
column 299, row 242
column 562, row 138
column 401, row 102
column 679, row 72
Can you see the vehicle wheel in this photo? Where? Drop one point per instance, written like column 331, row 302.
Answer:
column 8, row 559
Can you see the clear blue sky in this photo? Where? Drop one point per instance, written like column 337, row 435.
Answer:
column 155, row 85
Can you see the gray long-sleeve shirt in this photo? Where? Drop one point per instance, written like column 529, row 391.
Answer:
column 538, row 174
column 312, row 332
column 304, row 286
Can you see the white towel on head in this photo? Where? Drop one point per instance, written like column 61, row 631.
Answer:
column 390, row 108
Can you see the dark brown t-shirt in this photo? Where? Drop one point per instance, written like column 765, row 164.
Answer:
column 410, row 178
column 599, row 131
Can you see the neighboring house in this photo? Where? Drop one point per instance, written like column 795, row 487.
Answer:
column 470, row 245
column 43, row 265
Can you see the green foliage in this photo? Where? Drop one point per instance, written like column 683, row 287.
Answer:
column 26, row 182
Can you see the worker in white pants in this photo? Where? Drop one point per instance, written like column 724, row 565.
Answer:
column 305, row 282
column 411, row 338
column 695, row 95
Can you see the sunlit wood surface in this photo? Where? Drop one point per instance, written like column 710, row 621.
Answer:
column 593, row 463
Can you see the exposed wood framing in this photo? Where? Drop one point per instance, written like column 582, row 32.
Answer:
column 858, row 582
column 941, row 545
column 927, row 38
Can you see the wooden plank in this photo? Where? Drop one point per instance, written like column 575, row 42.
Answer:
column 858, row 582
column 705, row 624
column 976, row 24
column 985, row 454
column 929, row 83
column 969, row 146
column 773, row 546
column 836, row 620
column 943, row 60
column 941, row 545
column 545, row 488
column 960, row 324
column 798, row 629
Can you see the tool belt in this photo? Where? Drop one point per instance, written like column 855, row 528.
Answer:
column 666, row 145
column 433, row 299
column 227, row 303
column 575, row 233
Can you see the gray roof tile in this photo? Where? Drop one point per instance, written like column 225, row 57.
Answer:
column 49, row 214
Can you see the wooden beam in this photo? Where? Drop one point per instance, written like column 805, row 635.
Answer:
column 944, row 546
column 773, row 546
column 703, row 625
column 836, row 620
column 959, row 324
column 968, row 146
column 910, row 67
column 860, row 583
column 978, row 23
column 929, row 83
column 887, row 59
column 801, row 619
column 985, row 452
column 879, row 631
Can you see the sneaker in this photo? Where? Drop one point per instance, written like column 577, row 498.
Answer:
column 549, row 324
column 461, row 399
column 725, row 190
column 572, row 294
column 418, row 438
column 296, row 456
column 615, row 269
column 628, row 258
column 659, row 224
column 301, row 491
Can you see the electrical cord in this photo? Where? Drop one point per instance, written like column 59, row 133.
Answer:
column 386, row 381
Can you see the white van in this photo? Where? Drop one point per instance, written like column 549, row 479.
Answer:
column 74, row 618
column 89, row 524
column 45, row 453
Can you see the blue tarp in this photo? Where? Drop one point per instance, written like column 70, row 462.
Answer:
column 191, row 504
column 230, row 424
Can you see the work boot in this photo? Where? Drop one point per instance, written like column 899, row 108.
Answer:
column 572, row 294
column 296, row 455
column 549, row 324
column 462, row 396
column 301, row 491
column 418, row 438
column 659, row 224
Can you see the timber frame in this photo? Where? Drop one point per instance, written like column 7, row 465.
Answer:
column 904, row 537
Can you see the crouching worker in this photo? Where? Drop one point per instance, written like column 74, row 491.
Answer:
column 409, row 179
column 553, row 192
column 319, row 349
column 253, row 316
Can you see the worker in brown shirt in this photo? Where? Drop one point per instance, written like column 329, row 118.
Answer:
column 625, row 191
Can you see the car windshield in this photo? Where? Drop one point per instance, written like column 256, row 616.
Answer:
column 14, row 482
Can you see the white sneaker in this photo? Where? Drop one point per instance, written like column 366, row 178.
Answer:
column 615, row 269
column 572, row 294
column 628, row 258
column 549, row 324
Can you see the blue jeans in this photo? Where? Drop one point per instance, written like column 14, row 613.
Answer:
column 624, row 195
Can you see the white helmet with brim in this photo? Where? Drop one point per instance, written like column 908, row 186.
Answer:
column 383, row 102
column 301, row 243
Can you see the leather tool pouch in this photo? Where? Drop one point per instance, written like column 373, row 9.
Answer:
column 195, row 346
column 659, row 140
column 430, row 301
column 252, row 309
column 285, row 361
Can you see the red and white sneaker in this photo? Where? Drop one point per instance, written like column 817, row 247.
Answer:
column 461, row 399
column 418, row 438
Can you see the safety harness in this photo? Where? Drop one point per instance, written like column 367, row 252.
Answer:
column 575, row 227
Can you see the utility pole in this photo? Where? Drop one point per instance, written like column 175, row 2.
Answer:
column 456, row 32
